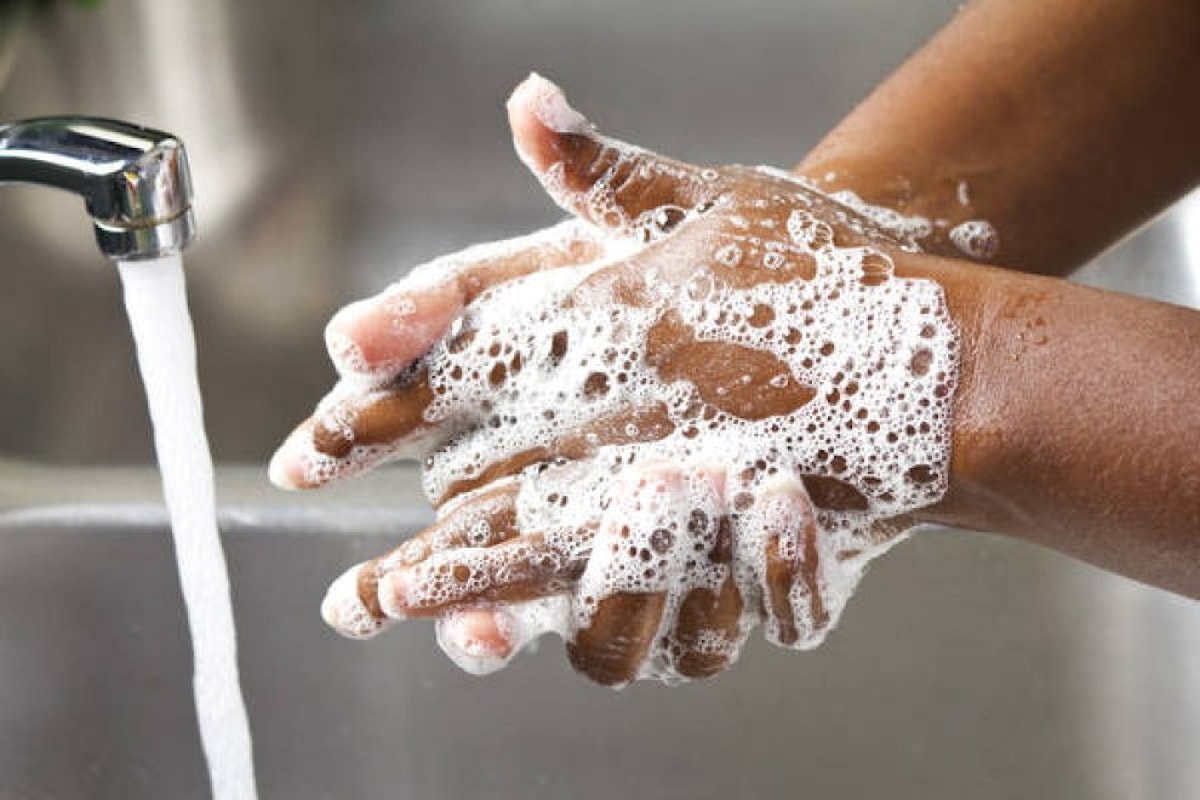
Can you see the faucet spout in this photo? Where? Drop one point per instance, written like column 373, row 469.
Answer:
column 135, row 181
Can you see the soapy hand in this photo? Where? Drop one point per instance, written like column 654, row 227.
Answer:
column 704, row 402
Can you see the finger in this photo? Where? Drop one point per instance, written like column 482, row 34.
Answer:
column 521, row 569
column 377, row 337
column 623, row 593
column 707, row 631
column 351, row 604
column 706, row 604
column 352, row 607
column 352, row 431
column 792, row 592
column 612, row 184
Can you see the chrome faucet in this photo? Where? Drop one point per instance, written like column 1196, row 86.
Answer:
column 134, row 180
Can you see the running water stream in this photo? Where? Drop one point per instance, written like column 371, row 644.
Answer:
column 156, row 301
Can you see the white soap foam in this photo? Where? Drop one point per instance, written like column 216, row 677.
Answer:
column 157, row 305
column 909, row 229
column 976, row 238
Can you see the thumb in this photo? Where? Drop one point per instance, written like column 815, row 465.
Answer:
column 612, row 184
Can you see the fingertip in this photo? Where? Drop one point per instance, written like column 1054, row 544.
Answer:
column 379, row 336
column 484, row 640
column 539, row 114
column 475, row 640
column 344, row 610
column 544, row 102
column 612, row 648
column 302, row 462
column 287, row 468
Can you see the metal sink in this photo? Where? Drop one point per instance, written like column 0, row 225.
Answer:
column 332, row 149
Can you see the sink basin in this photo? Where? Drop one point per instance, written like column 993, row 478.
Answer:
column 967, row 666
column 334, row 149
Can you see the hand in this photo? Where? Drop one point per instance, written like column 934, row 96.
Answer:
column 707, row 401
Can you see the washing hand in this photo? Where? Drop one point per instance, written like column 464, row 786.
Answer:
column 710, row 398
column 705, row 401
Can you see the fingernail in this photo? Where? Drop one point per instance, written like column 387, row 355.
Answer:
column 344, row 611
column 344, row 352
column 478, row 633
column 287, row 470
column 464, row 638
column 393, row 589
column 374, row 338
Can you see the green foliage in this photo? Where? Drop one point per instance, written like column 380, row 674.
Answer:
column 40, row 4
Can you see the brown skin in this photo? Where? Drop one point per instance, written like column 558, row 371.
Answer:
column 1072, row 122
column 1076, row 423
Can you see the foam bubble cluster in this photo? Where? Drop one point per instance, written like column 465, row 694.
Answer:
column 977, row 238
column 974, row 238
column 909, row 229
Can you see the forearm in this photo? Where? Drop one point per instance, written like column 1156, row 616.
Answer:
column 1077, row 422
column 1064, row 124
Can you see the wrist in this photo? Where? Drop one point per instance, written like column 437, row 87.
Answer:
column 988, row 405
